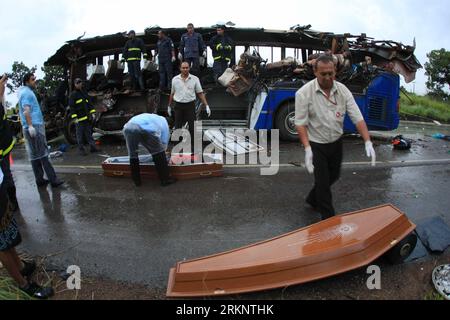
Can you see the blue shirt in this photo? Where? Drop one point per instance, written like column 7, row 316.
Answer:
column 192, row 46
column 154, row 124
column 28, row 98
column 165, row 48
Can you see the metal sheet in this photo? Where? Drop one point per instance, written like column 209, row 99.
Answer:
column 231, row 143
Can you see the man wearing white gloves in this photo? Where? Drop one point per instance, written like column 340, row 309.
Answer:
column 320, row 109
column 185, row 88
column 34, row 133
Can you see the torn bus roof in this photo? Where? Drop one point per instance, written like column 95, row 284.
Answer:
column 297, row 37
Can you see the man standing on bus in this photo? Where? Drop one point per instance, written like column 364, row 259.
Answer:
column 166, row 57
column 191, row 48
column 132, row 52
column 320, row 109
column 222, row 49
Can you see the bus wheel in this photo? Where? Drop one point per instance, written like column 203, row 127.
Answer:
column 285, row 122
column 70, row 130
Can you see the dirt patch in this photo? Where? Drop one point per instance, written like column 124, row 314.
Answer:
column 408, row 281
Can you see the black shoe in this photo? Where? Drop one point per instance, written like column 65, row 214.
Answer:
column 162, row 168
column 57, row 183
column 82, row 152
column 169, row 181
column 42, row 183
column 28, row 269
column 36, row 291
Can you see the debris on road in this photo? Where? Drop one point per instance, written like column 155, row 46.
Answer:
column 441, row 280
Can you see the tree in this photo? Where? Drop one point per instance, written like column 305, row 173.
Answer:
column 19, row 69
column 52, row 79
column 53, row 75
column 438, row 72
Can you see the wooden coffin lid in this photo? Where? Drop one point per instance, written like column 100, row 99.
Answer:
column 326, row 248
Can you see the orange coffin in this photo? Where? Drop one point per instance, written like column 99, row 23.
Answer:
column 120, row 167
column 327, row 248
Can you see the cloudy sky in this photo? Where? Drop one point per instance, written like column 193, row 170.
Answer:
column 34, row 30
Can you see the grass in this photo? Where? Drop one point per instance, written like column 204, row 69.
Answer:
column 424, row 108
column 10, row 291
column 433, row 295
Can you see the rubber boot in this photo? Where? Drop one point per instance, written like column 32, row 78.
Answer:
column 162, row 168
column 135, row 172
column 13, row 204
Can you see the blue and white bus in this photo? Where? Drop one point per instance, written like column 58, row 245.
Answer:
column 268, row 102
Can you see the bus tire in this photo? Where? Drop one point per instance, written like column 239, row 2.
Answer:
column 284, row 121
column 70, row 132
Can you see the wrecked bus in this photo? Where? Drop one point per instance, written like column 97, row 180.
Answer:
column 268, row 67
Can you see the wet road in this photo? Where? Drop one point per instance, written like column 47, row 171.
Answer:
column 111, row 229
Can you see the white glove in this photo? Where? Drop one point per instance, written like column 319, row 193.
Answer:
column 204, row 54
column 173, row 59
column 32, row 131
column 180, row 56
column 169, row 111
column 208, row 111
column 309, row 160
column 370, row 152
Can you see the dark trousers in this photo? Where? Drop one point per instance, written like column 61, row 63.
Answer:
column 165, row 74
column 219, row 68
column 327, row 160
column 194, row 64
column 185, row 112
column 41, row 165
column 84, row 134
column 8, row 181
column 134, row 69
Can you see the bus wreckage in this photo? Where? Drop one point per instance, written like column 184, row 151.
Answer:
column 257, row 92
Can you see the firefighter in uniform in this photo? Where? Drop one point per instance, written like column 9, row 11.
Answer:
column 83, row 111
column 7, row 142
column 132, row 52
column 222, row 48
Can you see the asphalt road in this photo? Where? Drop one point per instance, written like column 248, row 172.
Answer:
column 116, row 231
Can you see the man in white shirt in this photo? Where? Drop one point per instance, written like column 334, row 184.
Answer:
column 320, row 109
column 185, row 88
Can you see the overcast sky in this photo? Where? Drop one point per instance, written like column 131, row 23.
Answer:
column 34, row 30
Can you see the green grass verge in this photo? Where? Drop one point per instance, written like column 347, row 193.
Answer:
column 424, row 107
column 433, row 295
column 10, row 291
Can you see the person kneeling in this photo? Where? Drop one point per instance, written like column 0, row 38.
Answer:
column 152, row 131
